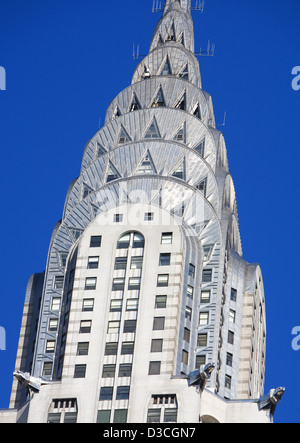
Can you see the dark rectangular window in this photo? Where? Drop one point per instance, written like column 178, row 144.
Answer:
column 88, row 305
column 109, row 371
column 93, row 263
column 124, row 241
column 188, row 313
column 190, row 292
column 54, row 417
column 83, row 348
column 85, row 326
column 187, row 335
column 134, row 284
column 227, row 381
column 59, row 282
column 205, row 297
column 191, row 270
column 167, row 238
column 121, row 263
column 95, row 241
column 104, row 416
column 111, row 349
column 136, row 263
column 90, row 283
column 106, row 393
column 185, row 357
column 170, row 415
column 127, row 348
column 116, row 305
column 154, row 367
column 162, row 280
column 157, row 345
column 233, row 294
column 230, row 337
column 165, row 259
column 125, row 370
column 123, row 393
column 153, row 415
column 159, row 323
column 129, row 326
column 149, row 216
column 160, row 301
column 118, row 218
column 138, row 241
column 207, row 275
column 80, row 371
column 200, row 360
column 132, row 304
column 120, row 416
column 118, row 284
column 202, row 340
column 229, row 359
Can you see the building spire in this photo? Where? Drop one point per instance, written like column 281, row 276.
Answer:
column 176, row 25
column 184, row 4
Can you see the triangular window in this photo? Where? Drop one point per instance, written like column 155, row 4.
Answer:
column 158, row 101
column 86, row 190
column 135, row 105
column 112, row 173
column 117, row 112
column 197, row 112
column 153, row 130
column 94, row 210
column 147, row 165
column 100, row 150
column 202, row 186
column 180, row 170
column 181, row 102
column 123, row 137
column 75, row 233
column 171, row 35
column 184, row 74
column 166, row 70
column 181, row 39
column 180, row 135
column 207, row 250
column 160, row 40
column 200, row 148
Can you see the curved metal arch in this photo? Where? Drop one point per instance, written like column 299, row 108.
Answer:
column 125, row 96
column 175, row 116
column 233, row 238
column 154, row 148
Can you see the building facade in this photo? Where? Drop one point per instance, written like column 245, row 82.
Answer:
column 146, row 284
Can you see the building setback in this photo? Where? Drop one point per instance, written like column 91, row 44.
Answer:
column 147, row 310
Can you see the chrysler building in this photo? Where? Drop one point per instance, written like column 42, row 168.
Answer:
column 147, row 311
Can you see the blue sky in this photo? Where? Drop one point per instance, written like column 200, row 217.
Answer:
column 66, row 60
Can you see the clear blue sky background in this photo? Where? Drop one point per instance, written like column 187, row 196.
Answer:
column 67, row 59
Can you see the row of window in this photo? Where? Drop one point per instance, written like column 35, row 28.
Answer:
column 134, row 283
column 138, row 239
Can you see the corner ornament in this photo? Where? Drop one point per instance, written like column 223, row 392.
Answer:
column 271, row 400
column 200, row 377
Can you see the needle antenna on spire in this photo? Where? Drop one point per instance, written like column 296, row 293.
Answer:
column 157, row 7
column 209, row 52
column 199, row 6
column 224, row 121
